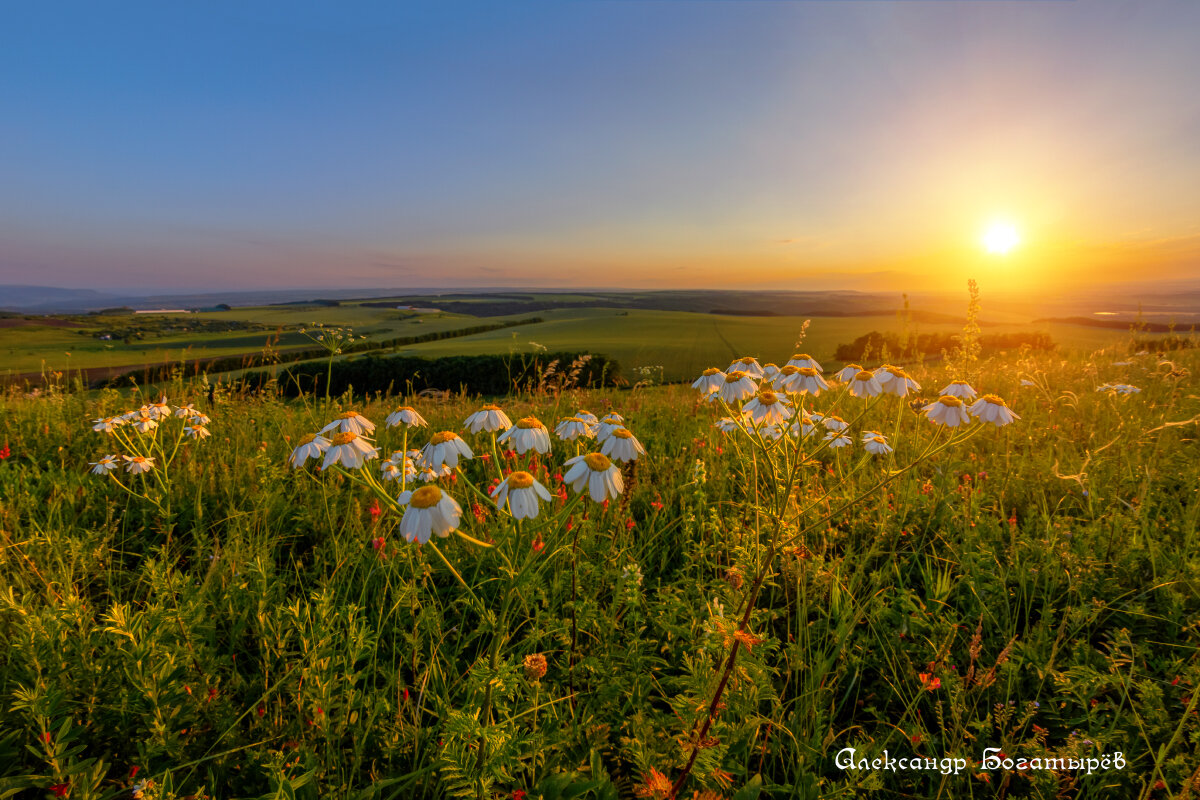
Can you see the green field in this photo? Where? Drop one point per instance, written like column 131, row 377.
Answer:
column 731, row 619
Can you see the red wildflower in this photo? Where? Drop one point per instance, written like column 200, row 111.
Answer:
column 377, row 543
column 479, row 512
column 629, row 524
column 212, row 694
column 657, row 505
column 4, row 451
column 59, row 789
column 46, row 737
column 519, row 794
column 930, row 682
column 538, row 545
column 486, row 458
column 262, row 710
column 133, row 771
column 375, row 509
column 558, row 477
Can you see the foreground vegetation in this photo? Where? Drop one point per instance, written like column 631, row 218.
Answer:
column 744, row 609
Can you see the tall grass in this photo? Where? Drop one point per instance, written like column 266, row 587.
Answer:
column 1032, row 588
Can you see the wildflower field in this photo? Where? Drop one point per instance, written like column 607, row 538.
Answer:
column 815, row 581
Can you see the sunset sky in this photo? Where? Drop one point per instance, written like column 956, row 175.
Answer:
column 602, row 143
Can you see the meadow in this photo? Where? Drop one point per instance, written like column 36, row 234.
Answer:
column 736, row 610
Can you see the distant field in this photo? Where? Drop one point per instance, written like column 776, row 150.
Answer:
column 684, row 343
column 681, row 343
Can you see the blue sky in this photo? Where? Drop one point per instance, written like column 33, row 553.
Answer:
column 666, row 143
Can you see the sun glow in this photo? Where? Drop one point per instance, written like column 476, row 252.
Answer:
column 1000, row 238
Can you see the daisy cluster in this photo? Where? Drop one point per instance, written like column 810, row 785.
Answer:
column 348, row 442
column 768, row 399
column 136, row 430
column 1118, row 388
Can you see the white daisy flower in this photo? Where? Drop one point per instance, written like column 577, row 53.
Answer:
column 1027, row 382
column 105, row 465
column 834, row 423
column 960, row 389
column 528, row 434
column 427, row 475
column 430, row 511
column 993, row 409
column 107, row 424
column 837, row 440
column 607, row 425
column 399, row 464
column 772, row 432
column 196, row 431
column 350, row 422
column 1122, row 363
column 885, row 373
column 490, row 418
column 199, row 419
column 747, row 365
column 901, row 383
column 770, row 371
column 350, row 450
column 876, row 445
column 737, row 386
column 186, row 410
column 847, row 372
column 407, row 416
column 311, row 446
column 138, row 464
column 726, row 425
column 571, row 428
column 767, row 407
column 596, row 473
column 522, row 491
column 129, row 416
column 947, row 410
column 161, row 409
column 144, row 423
column 804, row 360
column 865, row 384
column 804, row 426
column 709, row 381
column 801, row 380
column 623, row 446
column 587, row 417
column 445, row 449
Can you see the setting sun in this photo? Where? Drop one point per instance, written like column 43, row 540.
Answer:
column 1000, row 238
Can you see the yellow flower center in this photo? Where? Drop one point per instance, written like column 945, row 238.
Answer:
column 622, row 433
column 863, row 375
column 950, row 400
column 959, row 383
column 790, row 369
column 405, row 408
column 529, row 423
column 899, row 373
column 770, row 364
column 855, row 367
column 767, row 398
column 584, row 412
column 711, row 371
column 349, row 415
column 426, row 497
column 443, row 437
column 571, row 419
column 597, row 462
column 520, row 480
column 994, row 400
column 734, row 377
column 307, row 439
column 490, row 407
column 139, row 459
column 878, row 439
column 802, row 357
column 833, row 418
column 344, row 438
column 890, row 368
column 810, row 372
column 747, row 360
